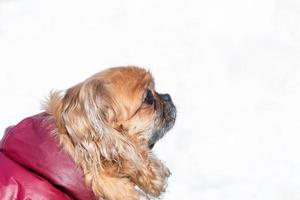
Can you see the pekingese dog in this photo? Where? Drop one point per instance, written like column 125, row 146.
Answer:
column 108, row 124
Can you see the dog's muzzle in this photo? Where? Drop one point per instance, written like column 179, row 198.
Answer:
column 166, row 119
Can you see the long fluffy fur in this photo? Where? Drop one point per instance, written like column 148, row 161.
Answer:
column 113, row 161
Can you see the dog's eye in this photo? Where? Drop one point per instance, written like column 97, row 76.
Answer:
column 149, row 99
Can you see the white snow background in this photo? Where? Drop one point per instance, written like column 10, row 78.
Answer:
column 231, row 67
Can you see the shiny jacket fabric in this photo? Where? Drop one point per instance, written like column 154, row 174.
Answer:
column 33, row 165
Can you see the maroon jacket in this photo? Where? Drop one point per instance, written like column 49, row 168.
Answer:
column 33, row 166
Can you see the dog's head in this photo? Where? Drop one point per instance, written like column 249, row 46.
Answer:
column 114, row 105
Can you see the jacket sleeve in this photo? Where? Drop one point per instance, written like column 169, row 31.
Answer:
column 18, row 183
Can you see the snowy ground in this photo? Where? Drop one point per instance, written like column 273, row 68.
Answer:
column 232, row 68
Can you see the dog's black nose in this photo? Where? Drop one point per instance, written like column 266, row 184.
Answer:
column 166, row 97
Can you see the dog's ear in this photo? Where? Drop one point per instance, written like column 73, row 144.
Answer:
column 88, row 112
column 73, row 114
column 84, row 114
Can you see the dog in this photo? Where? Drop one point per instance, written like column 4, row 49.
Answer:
column 109, row 124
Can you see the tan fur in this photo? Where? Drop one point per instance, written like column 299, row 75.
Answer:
column 104, row 126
